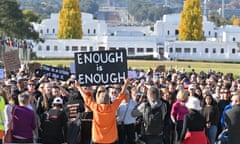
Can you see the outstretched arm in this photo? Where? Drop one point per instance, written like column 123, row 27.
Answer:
column 80, row 89
column 124, row 87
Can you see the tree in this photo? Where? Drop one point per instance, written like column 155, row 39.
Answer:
column 70, row 23
column 12, row 22
column 31, row 16
column 235, row 21
column 190, row 27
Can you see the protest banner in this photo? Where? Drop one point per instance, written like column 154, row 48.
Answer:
column 101, row 67
column 72, row 67
column 55, row 72
column 33, row 66
column 1, row 73
column 11, row 60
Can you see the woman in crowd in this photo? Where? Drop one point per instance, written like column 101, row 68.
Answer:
column 193, row 124
column 44, row 103
column 8, row 111
column 23, row 121
column 179, row 110
column 211, row 114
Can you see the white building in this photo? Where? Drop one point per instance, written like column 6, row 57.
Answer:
column 161, row 43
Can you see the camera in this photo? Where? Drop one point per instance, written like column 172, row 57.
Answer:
column 38, row 73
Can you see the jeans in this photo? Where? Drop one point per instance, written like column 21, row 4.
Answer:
column 153, row 139
column 211, row 133
column 126, row 135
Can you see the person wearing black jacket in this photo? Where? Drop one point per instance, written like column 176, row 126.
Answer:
column 193, row 124
column 54, row 124
column 232, row 119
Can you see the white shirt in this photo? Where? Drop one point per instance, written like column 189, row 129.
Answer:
column 126, row 108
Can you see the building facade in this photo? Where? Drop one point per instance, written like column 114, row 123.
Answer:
column 160, row 41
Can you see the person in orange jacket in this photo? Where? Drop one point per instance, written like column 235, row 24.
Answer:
column 104, row 126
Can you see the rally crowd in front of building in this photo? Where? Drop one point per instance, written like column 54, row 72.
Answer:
column 153, row 107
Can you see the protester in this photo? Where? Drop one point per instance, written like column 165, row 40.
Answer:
column 23, row 121
column 126, row 123
column 153, row 113
column 178, row 111
column 211, row 114
column 54, row 124
column 8, row 111
column 193, row 124
column 86, row 126
column 74, row 108
column 2, row 116
column 104, row 127
column 232, row 119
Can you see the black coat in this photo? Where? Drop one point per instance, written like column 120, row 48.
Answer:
column 232, row 119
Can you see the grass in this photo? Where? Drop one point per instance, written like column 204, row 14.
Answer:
column 188, row 65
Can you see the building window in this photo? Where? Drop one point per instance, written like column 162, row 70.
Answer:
column 176, row 32
column 47, row 30
column 206, row 50
column 233, row 50
column 47, row 48
column 187, row 50
column 67, row 48
column 234, row 39
column 209, row 33
column 74, row 48
column 88, row 31
column 140, row 50
column 122, row 48
column 41, row 31
column 112, row 48
column 131, row 51
column 83, row 48
column 39, row 48
column 194, row 50
column 94, row 31
column 149, row 50
column 53, row 30
column 55, row 48
column 222, row 50
column 170, row 50
column 90, row 48
column 214, row 50
column 178, row 50
column 101, row 48
column 168, row 32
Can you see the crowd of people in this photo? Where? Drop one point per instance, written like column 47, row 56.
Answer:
column 153, row 108
column 12, row 42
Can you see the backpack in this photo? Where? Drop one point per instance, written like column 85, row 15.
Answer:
column 153, row 119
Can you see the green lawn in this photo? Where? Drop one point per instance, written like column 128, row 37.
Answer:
column 141, row 64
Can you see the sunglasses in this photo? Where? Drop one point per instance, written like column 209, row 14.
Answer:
column 101, row 91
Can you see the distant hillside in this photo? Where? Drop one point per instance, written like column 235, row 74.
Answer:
column 46, row 7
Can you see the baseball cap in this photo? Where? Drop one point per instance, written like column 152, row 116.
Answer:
column 57, row 100
column 191, row 86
